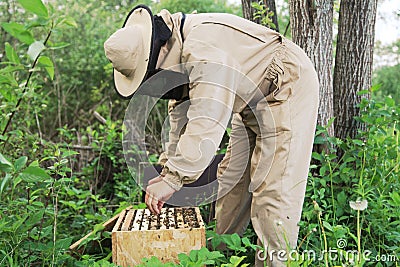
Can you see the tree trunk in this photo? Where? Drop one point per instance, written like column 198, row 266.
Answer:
column 248, row 11
column 6, row 11
column 270, row 4
column 312, row 29
column 353, row 65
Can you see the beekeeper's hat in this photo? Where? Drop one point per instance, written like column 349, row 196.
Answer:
column 129, row 50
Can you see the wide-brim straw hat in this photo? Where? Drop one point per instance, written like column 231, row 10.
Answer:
column 129, row 50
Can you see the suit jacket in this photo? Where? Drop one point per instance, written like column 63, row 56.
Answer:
column 230, row 61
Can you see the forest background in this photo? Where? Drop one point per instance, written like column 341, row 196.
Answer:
column 62, row 168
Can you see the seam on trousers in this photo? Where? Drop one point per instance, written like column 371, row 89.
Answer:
column 290, row 144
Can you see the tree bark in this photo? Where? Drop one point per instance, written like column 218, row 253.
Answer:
column 312, row 29
column 248, row 11
column 353, row 65
column 270, row 4
column 7, row 8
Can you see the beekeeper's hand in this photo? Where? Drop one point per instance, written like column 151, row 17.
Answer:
column 157, row 193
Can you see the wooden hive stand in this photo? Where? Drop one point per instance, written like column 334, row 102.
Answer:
column 138, row 234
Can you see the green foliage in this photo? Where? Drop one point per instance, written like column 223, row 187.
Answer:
column 263, row 14
column 45, row 209
column 387, row 73
column 200, row 257
column 19, row 31
column 154, row 261
column 283, row 18
column 82, row 70
column 367, row 170
column 389, row 79
column 18, row 72
column 35, row 6
column 44, row 205
column 29, row 205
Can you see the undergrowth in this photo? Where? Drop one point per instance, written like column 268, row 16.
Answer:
column 49, row 198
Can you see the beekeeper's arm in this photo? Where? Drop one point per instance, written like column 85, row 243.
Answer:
column 177, row 110
column 213, row 82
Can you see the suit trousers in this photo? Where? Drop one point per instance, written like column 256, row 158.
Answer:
column 263, row 175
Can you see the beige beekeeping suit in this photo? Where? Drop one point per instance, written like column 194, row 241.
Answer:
column 263, row 175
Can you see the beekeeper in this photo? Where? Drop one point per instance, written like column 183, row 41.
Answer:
column 240, row 71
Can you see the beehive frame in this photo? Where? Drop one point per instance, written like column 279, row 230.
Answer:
column 138, row 234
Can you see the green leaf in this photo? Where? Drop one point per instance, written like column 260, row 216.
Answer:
column 342, row 199
column 33, row 219
column 183, row 257
column 11, row 54
column 322, row 170
column 35, row 49
column 34, row 174
column 5, row 80
column 376, row 87
column 353, row 236
column 16, row 181
column 48, row 65
column 5, row 165
column 247, row 243
column 358, row 142
column 193, row 255
column 395, row 198
column 233, row 242
column 317, row 156
column 54, row 46
column 318, row 140
column 327, row 226
column 19, row 222
column 69, row 21
column 363, row 92
column 34, row 163
column 4, row 161
column 215, row 241
column 202, row 253
column 7, row 77
column 69, row 153
column 235, row 261
column 236, row 240
column 215, row 255
column 98, row 227
column 390, row 102
column 64, row 243
column 35, row 6
column 20, row 163
column 4, row 182
column 38, row 22
column 228, row 131
column 18, row 31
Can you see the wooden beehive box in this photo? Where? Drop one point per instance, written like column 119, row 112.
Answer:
column 138, row 234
